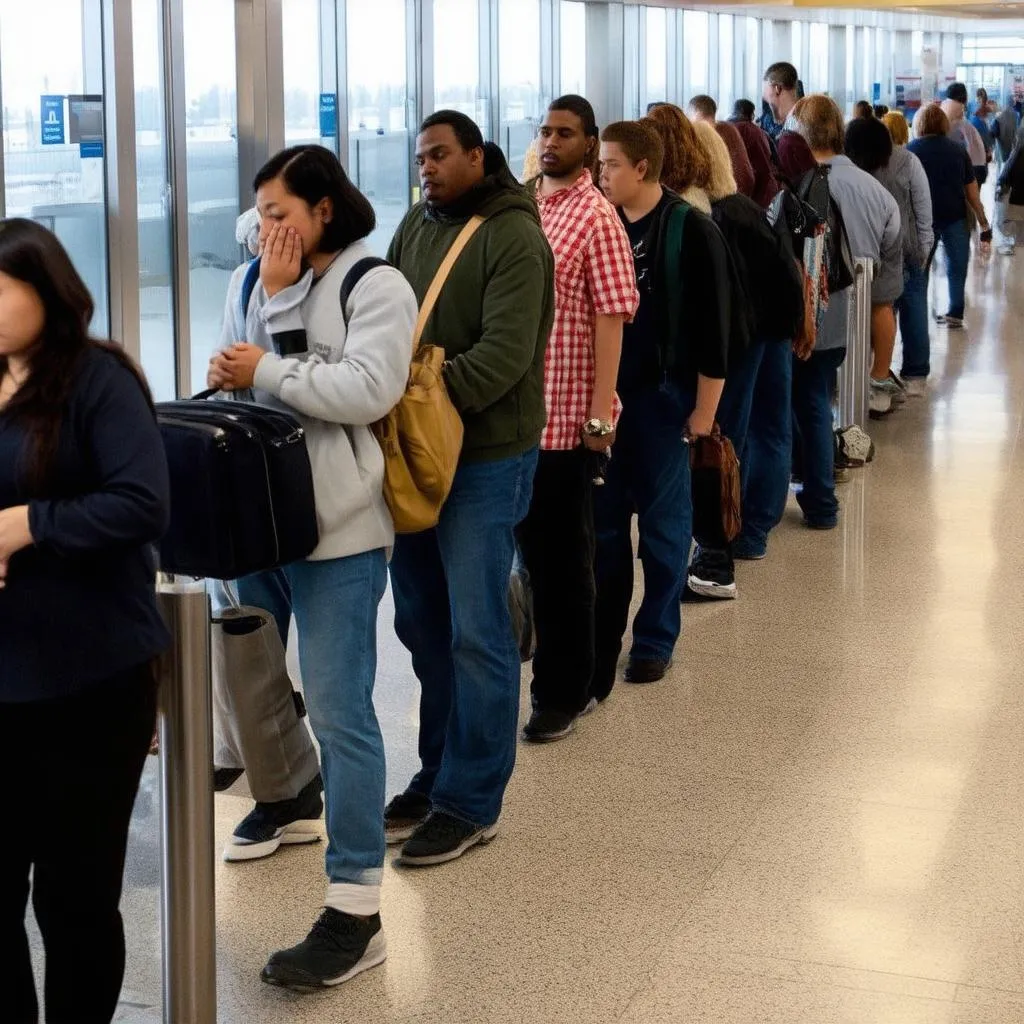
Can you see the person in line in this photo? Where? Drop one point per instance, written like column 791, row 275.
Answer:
column 872, row 221
column 337, row 371
column 755, row 409
column 906, row 180
column 451, row 583
column 596, row 294
column 685, row 162
column 84, row 495
column 960, row 128
column 704, row 108
column 954, row 190
column 869, row 145
column 1009, row 212
column 1004, row 131
column 670, row 378
column 863, row 110
column 743, row 110
column 780, row 94
column 980, row 120
column 880, row 110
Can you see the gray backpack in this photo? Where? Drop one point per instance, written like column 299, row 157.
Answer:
column 896, row 179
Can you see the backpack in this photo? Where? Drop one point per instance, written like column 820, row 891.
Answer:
column 813, row 189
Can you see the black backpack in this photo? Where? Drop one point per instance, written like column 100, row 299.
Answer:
column 813, row 189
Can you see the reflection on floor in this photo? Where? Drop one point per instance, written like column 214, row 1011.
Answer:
column 816, row 818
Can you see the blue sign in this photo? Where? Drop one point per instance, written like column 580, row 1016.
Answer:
column 876, row 93
column 51, row 120
column 328, row 115
column 87, row 150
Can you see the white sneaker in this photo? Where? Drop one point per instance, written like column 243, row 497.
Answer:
column 917, row 387
column 1006, row 250
column 879, row 403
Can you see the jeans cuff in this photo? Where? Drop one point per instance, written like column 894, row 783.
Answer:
column 349, row 898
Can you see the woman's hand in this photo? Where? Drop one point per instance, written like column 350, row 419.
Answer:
column 700, row 424
column 14, row 535
column 235, row 369
column 281, row 259
column 215, row 375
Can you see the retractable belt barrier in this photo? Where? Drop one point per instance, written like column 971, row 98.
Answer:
column 855, row 372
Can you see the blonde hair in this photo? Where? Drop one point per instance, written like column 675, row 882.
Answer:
column 531, row 162
column 898, row 127
column 721, row 180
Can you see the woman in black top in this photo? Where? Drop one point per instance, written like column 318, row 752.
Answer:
column 83, row 494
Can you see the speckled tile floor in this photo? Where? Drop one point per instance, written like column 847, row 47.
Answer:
column 815, row 818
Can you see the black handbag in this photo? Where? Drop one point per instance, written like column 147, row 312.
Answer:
column 241, row 489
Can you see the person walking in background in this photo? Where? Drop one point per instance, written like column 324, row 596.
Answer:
column 704, row 108
column 1004, row 131
column 960, row 128
column 84, row 495
column 1009, row 212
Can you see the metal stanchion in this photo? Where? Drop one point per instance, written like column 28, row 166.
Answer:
column 856, row 368
column 186, row 789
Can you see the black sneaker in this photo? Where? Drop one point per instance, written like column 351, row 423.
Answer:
column 646, row 670
column 711, row 574
column 548, row 726
column 225, row 778
column 441, row 838
column 268, row 826
column 404, row 815
column 338, row 947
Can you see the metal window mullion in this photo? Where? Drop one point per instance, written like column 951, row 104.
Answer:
column 712, row 84
column 3, row 183
column 558, row 84
column 673, row 61
column 341, row 66
column 489, row 38
column 121, row 175
column 550, row 55
column 426, row 88
column 329, row 64
column 641, row 50
column 414, row 98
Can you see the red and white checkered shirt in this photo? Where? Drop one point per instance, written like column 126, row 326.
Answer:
column 593, row 277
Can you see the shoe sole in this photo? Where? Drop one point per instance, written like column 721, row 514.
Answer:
column 633, row 681
column 394, row 836
column 707, row 588
column 299, row 981
column 750, row 557
column 549, row 737
column 298, row 833
column 481, row 838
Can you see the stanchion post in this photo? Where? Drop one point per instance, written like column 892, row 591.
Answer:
column 856, row 368
column 186, row 790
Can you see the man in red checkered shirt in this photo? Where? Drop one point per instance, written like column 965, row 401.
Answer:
column 595, row 294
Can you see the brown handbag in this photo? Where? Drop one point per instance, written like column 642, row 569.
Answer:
column 715, row 481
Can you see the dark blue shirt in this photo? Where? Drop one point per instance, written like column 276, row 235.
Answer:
column 80, row 604
column 948, row 167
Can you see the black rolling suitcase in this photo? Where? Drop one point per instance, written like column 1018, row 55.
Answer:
column 241, row 489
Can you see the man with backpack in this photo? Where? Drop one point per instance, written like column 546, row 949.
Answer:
column 450, row 583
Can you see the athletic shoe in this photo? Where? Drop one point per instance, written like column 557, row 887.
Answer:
column 269, row 826
column 954, row 323
column 1007, row 250
column 891, row 386
column 711, row 574
column 646, row 670
column 338, row 947
column 546, row 726
column 853, row 447
column 917, row 387
column 879, row 403
column 404, row 815
column 443, row 837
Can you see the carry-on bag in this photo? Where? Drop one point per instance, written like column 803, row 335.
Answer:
column 715, row 483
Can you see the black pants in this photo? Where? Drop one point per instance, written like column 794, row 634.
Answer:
column 71, row 768
column 556, row 541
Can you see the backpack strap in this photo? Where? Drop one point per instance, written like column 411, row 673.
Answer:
column 355, row 274
column 676, row 222
column 252, row 275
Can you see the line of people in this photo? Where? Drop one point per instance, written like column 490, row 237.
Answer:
column 603, row 314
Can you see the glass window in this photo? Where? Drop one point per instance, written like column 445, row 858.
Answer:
column 211, row 151
column 300, row 42
column 631, row 75
column 851, row 65
column 54, row 173
column 752, row 61
column 796, row 29
column 818, row 72
column 518, row 76
column 457, row 59
column 378, row 93
column 656, row 71
column 695, row 52
column 726, row 62
column 867, row 73
column 573, row 35
column 156, row 303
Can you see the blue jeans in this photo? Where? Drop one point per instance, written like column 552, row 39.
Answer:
column 649, row 473
column 812, row 407
column 766, row 461
column 734, row 410
column 957, row 242
column 335, row 604
column 451, row 611
column 913, row 311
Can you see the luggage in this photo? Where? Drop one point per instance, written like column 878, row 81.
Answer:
column 241, row 489
column 715, row 486
column 814, row 190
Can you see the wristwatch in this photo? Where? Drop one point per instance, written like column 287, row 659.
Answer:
column 598, row 428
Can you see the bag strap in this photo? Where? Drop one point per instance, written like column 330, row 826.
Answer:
column 674, row 279
column 355, row 274
column 252, row 275
column 449, row 261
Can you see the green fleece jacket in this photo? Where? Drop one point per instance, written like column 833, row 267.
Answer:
column 495, row 312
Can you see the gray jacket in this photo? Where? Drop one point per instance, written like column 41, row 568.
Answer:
column 907, row 183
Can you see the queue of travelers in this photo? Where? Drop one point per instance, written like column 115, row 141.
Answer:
column 642, row 288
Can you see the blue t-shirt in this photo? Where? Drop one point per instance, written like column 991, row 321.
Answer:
column 949, row 170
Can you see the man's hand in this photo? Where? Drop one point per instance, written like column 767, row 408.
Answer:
column 236, row 368
column 597, row 444
column 281, row 259
column 14, row 535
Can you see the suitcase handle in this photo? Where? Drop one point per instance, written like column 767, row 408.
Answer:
column 202, row 396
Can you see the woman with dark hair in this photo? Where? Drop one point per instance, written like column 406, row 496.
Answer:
column 83, row 496
column 863, row 110
column 337, row 371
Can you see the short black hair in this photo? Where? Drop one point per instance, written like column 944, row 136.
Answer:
column 863, row 109
column 581, row 107
column 782, row 74
column 655, row 103
column 880, row 110
column 868, row 144
column 957, row 91
column 744, row 110
column 313, row 173
column 466, row 130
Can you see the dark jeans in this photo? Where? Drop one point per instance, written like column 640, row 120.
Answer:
column 451, row 611
column 556, row 540
column 72, row 767
column 956, row 240
column 649, row 474
column 765, row 461
column 912, row 307
column 812, row 407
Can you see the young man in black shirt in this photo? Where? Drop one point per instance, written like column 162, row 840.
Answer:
column 670, row 381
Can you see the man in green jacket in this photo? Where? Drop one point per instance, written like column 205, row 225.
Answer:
column 451, row 583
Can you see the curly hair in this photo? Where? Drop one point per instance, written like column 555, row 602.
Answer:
column 686, row 160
